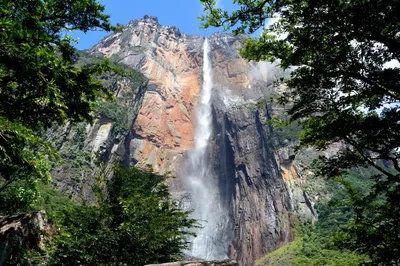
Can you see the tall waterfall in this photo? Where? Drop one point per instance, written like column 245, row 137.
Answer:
column 204, row 192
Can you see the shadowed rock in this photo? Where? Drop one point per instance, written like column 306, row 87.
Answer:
column 23, row 231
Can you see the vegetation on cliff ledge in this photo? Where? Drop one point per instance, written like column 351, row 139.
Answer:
column 315, row 243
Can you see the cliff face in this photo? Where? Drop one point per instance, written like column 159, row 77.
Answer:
column 172, row 62
column 257, row 185
column 23, row 231
column 244, row 154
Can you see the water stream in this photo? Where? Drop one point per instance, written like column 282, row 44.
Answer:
column 202, row 187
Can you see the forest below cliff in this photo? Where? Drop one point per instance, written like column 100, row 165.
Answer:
column 67, row 144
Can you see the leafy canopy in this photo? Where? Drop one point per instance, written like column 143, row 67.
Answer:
column 343, row 88
column 39, row 84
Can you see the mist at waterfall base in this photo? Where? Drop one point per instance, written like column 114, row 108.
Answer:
column 204, row 199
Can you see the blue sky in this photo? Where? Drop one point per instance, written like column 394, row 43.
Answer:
column 180, row 13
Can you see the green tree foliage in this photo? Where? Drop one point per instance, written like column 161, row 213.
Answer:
column 341, row 89
column 310, row 248
column 39, row 85
column 135, row 223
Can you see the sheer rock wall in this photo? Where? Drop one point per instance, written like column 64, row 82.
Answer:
column 259, row 185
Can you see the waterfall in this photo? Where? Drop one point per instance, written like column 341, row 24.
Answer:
column 205, row 201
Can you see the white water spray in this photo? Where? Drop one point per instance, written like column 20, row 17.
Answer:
column 203, row 129
column 204, row 193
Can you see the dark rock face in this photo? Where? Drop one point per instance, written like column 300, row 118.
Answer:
column 254, row 191
column 259, row 186
column 259, row 203
column 23, row 231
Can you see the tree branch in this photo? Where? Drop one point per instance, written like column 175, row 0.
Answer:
column 367, row 158
column 6, row 184
column 390, row 92
column 393, row 160
column 233, row 20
